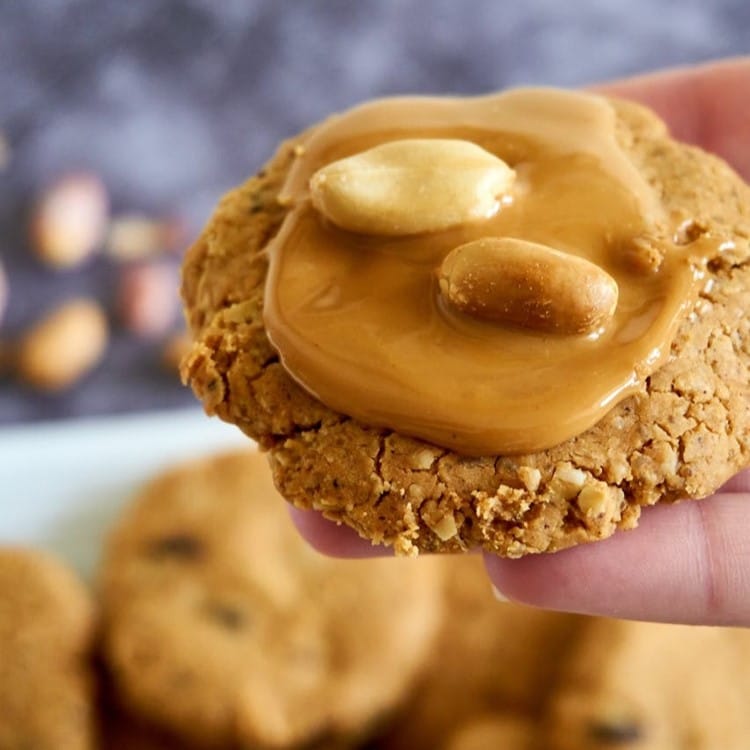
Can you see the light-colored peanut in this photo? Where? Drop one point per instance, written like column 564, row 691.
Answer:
column 595, row 500
column 69, row 220
column 527, row 284
column 64, row 346
column 411, row 186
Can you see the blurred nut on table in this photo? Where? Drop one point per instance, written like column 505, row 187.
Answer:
column 68, row 220
column 70, row 223
column 84, row 280
column 62, row 347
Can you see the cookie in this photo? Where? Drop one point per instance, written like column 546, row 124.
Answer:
column 223, row 627
column 490, row 659
column 46, row 633
column 642, row 686
column 681, row 431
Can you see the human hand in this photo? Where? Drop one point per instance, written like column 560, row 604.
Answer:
column 686, row 563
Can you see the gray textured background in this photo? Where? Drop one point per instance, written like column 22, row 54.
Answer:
column 173, row 101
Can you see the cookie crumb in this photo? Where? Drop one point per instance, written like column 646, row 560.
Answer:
column 594, row 500
column 531, row 477
column 445, row 528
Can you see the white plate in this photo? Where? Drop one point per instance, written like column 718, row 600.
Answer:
column 63, row 484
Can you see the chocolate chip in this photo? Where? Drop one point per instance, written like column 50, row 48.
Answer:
column 621, row 732
column 180, row 546
column 226, row 615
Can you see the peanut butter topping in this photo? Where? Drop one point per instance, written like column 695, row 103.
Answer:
column 567, row 298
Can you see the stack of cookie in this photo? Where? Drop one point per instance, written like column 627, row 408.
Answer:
column 218, row 628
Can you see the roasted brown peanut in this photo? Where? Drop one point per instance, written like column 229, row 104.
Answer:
column 69, row 220
column 527, row 284
column 64, row 346
column 411, row 186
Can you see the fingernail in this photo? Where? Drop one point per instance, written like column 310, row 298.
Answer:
column 499, row 594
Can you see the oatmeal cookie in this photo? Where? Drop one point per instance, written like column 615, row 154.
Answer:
column 222, row 626
column 682, row 433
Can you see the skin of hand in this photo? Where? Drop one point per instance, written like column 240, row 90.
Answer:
column 686, row 563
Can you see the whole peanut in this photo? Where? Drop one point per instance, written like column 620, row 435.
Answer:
column 411, row 186
column 527, row 284
column 69, row 220
column 64, row 346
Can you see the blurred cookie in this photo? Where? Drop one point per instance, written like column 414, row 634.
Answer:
column 221, row 625
column 46, row 629
column 646, row 686
column 490, row 659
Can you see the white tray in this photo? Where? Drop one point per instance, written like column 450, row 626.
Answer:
column 62, row 484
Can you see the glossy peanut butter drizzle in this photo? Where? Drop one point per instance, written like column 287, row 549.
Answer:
column 359, row 322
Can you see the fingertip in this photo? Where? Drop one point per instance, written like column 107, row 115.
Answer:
column 699, row 103
column 685, row 563
column 617, row 577
column 332, row 539
column 738, row 483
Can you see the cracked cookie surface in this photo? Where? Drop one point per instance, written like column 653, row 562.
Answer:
column 682, row 435
column 223, row 627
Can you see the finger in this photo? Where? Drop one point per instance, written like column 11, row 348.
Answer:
column 708, row 105
column 738, row 483
column 331, row 538
column 688, row 563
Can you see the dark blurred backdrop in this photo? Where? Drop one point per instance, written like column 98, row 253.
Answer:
column 173, row 101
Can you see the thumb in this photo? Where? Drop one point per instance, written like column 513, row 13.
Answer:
column 707, row 105
column 688, row 563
